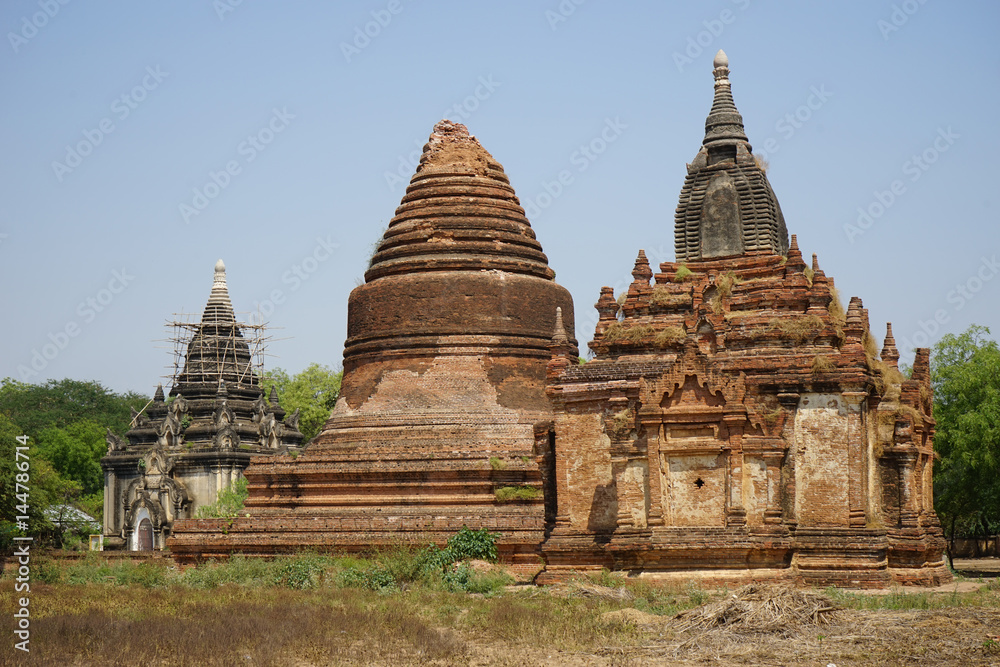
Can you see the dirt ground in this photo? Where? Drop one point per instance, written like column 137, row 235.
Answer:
column 960, row 636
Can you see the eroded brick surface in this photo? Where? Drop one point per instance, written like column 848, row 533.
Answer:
column 444, row 383
column 773, row 436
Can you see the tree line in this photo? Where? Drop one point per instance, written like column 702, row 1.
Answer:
column 66, row 422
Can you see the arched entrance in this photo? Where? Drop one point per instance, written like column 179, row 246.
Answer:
column 145, row 536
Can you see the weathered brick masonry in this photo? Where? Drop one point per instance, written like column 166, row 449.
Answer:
column 735, row 423
column 444, row 382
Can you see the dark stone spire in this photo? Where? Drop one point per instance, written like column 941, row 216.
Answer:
column 724, row 125
column 726, row 207
column 218, row 352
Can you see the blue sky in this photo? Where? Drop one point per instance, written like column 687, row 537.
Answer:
column 274, row 135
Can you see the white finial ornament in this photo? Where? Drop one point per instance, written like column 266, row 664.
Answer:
column 220, row 274
column 721, row 59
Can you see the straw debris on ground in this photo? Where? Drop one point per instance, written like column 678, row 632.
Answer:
column 761, row 608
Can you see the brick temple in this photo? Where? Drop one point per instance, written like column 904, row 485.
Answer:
column 736, row 422
column 444, row 384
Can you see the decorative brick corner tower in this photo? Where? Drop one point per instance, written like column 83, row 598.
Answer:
column 179, row 455
column 737, row 424
column 443, row 415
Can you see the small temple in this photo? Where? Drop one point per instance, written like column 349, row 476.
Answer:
column 183, row 449
column 736, row 422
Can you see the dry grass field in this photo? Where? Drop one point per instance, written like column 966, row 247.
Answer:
column 393, row 609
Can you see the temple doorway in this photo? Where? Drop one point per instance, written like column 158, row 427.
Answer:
column 145, row 535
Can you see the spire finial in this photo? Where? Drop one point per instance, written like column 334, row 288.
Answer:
column 721, row 69
column 724, row 125
column 559, row 336
column 641, row 272
column 890, row 354
column 220, row 274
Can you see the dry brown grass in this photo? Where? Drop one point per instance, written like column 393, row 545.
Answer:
column 822, row 364
column 620, row 423
column 258, row 627
column 662, row 296
column 619, row 332
column 799, row 328
column 608, row 620
column 669, row 336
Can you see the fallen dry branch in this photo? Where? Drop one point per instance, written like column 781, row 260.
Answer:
column 759, row 608
column 582, row 589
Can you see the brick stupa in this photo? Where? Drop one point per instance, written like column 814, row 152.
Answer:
column 444, row 384
column 736, row 424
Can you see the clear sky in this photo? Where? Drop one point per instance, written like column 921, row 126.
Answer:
column 140, row 142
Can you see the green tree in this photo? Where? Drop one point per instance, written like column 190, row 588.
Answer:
column 313, row 392
column 59, row 403
column 75, row 451
column 65, row 421
column 965, row 372
column 45, row 486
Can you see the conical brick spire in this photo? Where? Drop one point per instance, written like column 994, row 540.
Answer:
column 641, row 273
column 458, row 270
column 890, row 354
column 459, row 213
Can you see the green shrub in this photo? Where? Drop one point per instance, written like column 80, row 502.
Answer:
column 228, row 503
column 479, row 544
